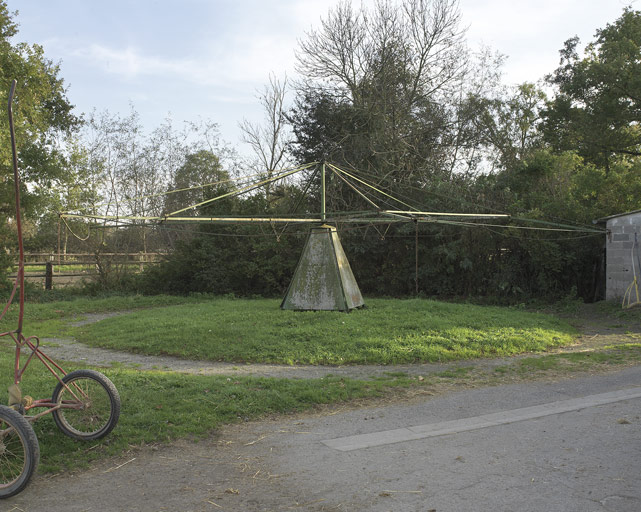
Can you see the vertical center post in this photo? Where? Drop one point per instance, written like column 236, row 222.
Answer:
column 323, row 213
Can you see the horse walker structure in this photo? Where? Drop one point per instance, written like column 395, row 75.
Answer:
column 85, row 404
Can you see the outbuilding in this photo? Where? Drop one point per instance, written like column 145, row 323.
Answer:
column 623, row 255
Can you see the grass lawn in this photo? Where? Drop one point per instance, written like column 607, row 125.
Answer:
column 158, row 407
column 161, row 406
column 388, row 331
column 45, row 319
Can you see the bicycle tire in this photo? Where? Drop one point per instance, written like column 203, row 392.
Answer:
column 90, row 405
column 19, row 452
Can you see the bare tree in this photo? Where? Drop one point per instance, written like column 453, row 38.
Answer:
column 385, row 84
column 269, row 141
column 422, row 40
column 340, row 52
column 129, row 172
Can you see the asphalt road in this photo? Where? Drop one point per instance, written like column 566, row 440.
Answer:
column 587, row 458
column 570, row 445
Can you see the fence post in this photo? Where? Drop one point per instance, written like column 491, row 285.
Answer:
column 48, row 275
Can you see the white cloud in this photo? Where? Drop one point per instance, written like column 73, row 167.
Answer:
column 250, row 60
column 210, row 58
column 129, row 62
column 532, row 33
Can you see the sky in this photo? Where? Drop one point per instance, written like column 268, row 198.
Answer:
column 208, row 59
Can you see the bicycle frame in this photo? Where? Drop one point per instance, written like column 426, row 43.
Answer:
column 32, row 342
column 92, row 398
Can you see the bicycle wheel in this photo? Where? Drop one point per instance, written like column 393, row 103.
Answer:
column 19, row 452
column 90, row 405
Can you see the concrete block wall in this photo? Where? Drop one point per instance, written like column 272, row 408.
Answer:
column 619, row 251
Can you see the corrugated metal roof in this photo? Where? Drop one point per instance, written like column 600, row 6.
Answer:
column 605, row 219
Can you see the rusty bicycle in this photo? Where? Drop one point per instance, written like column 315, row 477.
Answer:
column 85, row 404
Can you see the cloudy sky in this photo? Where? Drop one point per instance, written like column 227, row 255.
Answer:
column 208, row 58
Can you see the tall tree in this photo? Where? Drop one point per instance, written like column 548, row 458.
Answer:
column 508, row 123
column 597, row 110
column 187, row 187
column 379, row 85
column 269, row 141
column 43, row 116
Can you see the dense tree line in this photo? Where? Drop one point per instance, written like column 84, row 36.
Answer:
column 394, row 94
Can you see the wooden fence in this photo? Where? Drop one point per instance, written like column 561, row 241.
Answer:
column 69, row 268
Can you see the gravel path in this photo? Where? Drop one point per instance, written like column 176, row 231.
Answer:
column 595, row 335
column 67, row 349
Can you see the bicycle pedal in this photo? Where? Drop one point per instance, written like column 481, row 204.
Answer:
column 15, row 395
column 19, row 408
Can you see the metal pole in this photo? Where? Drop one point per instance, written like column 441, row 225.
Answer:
column 323, row 216
column 58, row 243
column 16, row 180
column 20, row 278
column 416, row 254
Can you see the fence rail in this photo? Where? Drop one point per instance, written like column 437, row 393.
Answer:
column 86, row 265
column 64, row 257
